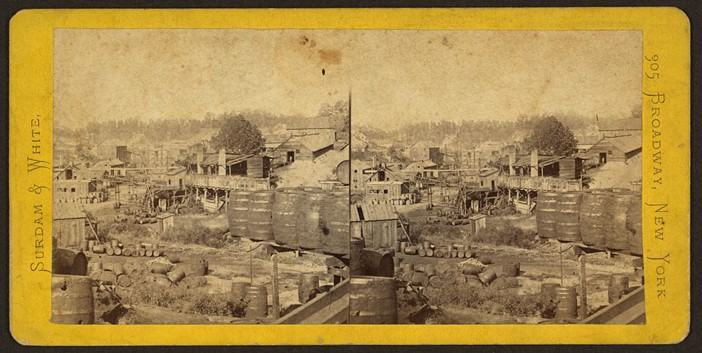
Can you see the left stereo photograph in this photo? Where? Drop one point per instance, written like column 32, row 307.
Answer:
column 199, row 176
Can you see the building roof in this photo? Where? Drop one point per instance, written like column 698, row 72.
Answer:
column 176, row 171
column 385, row 182
column 67, row 211
column 372, row 212
column 620, row 124
column 421, row 165
column 624, row 143
column 487, row 172
column 212, row 158
column 313, row 142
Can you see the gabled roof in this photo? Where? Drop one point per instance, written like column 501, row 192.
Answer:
column 624, row 143
column 372, row 212
column 312, row 142
column 421, row 164
column 620, row 124
column 176, row 171
column 67, row 211
column 488, row 172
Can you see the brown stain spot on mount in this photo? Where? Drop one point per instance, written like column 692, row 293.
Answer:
column 330, row 56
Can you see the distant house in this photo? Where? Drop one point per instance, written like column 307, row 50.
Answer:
column 564, row 167
column 616, row 149
column 176, row 177
column 585, row 143
column 222, row 163
column 488, row 178
column 619, row 127
column 304, row 147
column 392, row 192
column 425, row 168
column 313, row 126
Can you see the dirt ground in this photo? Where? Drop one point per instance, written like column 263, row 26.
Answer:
column 240, row 260
column 548, row 262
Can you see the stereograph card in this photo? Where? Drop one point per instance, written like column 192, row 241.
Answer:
column 350, row 176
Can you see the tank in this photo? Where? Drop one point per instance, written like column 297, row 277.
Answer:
column 335, row 224
column 372, row 300
column 633, row 223
column 237, row 214
column 260, row 215
column 546, row 214
column 593, row 217
column 568, row 221
column 308, row 221
column 285, row 212
column 617, row 235
column 72, row 300
column 343, row 172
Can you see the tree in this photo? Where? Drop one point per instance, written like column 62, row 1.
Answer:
column 551, row 137
column 238, row 135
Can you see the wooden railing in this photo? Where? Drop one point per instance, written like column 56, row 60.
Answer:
column 231, row 182
column 539, row 183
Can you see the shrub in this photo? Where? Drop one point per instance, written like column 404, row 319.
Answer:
column 195, row 233
column 494, row 301
column 506, row 234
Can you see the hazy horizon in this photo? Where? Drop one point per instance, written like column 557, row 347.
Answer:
column 397, row 76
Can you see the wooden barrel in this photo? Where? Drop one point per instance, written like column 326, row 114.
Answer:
column 633, row 223
column 618, row 235
column 237, row 213
column 72, row 300
column 260, row 222
column 568, row 221
column 308, row 220
column 547, row 214
column 285, row 210
column 567, row 308
column 593, row 217
column 372, row 300
column 306, row 287
column 356, row 264
column 487, row 276
column 617, row 287
column 335, row 224
column 258, row 302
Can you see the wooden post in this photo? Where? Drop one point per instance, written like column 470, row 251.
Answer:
column 583, row 288
column 275, row 299
column 251, row 269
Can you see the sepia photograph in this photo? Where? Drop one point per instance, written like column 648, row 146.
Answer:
column 496, row 178
column 199, row 177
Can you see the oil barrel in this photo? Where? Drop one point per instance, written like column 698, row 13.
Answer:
column 567, row 308
column 72, row 300
column 617, row 287
column 335, row 223
column 237, row 213
column 258, row 302
column 307, row 284
column 285, row 211
column 260, row 224
column 372, row 300
column 547, row 213
column 356, row 263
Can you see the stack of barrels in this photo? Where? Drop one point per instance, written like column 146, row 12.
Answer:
column 305, row 218
column 602, row 218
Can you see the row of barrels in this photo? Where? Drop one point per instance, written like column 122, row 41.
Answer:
column 305, row 218
column 601, row 218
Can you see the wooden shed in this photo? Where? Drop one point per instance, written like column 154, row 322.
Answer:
column 616, row 149
column 378, row 224
column 68, row 224
column 165, row 221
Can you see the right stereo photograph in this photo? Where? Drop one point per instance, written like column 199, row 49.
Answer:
column 496, row 178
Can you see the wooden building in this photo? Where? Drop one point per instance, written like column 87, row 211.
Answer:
column 78, row 191
column 392, row 192
column 304, row 147
column 616, row 149
column 165, row 221
column 378, row 224
column 619, row 127
column 68, row 222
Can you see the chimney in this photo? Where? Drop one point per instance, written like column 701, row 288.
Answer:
column 199, row 159
column 222, row 162
column 512, row 160
column 534, row 170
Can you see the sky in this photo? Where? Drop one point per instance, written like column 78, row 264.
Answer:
column 396, row 76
